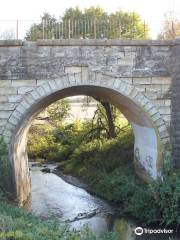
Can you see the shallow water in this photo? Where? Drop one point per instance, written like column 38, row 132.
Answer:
column 51, row 195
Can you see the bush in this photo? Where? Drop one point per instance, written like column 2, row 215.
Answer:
column 4, row 166
column 54, row 144
column 104, row 155
column 107, row 166
column 16, row 223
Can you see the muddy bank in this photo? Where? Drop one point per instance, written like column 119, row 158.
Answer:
column 72, row 180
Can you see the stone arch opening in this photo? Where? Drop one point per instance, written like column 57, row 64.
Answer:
column 149, row 129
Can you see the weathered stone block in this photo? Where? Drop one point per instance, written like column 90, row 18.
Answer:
column 5, row 114
column 53, row 85
column 7, row 106
column 3, row 122
column 72, row 69
column 167, row 102
column 5, row 83
column 159, row 122
column 41, row 91
column 141, row 88
column 161, row 80
column 152, row 111
column 7, row 133
column 156, row 117
column 150, row 95
column 3, row 98
column 13, row 120
column 165, row 88
column 23, row 83
column 126, row 61
column 154, row 88
column 165, row 110
column 14, row 98
column 127, row 80
column 47, row 87
column 21, row 108
column 41, row 81
column 167, row 118
column 30, row 99
column 17, row 113
column 10, row 126
column 148, row 106
column 133, row 93
column 24, row 90
column 8, row 90
column 139, row 81
column 164, row 134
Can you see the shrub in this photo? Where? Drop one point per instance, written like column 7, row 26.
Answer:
column 4, row 166
column 16, row 223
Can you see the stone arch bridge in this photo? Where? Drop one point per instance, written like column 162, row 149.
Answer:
column 141, row 78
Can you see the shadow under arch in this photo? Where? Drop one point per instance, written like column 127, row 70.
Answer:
column 149, row 129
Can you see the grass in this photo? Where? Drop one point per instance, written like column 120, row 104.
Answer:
column 17, row 223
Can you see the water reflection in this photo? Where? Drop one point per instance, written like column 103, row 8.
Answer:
column 51, row 195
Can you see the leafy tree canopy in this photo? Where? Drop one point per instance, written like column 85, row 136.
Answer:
column 92, row 22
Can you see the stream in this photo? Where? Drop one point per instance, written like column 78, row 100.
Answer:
column 51, row 195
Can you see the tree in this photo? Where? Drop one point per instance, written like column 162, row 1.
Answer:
column 91, row 22
column 44, row 30
column 170, row 29
column 55, row 113
column 109, row 117
column 106, row 122
column 42, row 138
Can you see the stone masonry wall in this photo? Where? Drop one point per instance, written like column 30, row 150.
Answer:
column 144, row 64
column 175, row 123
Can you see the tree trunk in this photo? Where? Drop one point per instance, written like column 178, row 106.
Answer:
column 111, row 126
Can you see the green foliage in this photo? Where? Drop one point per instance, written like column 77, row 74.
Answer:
column 166, row 195
column 16, row 223
column 57, row 112
column 4, row 166
column 56, row 144
column 36, row 30
column 92, row 22
column 42, row 139
column 41, row 142
column 107, row 122
column 104, row 155
column 107, row 166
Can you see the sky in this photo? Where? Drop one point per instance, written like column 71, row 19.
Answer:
column 152, row 11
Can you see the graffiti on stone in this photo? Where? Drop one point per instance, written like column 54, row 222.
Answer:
column 149, row 161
